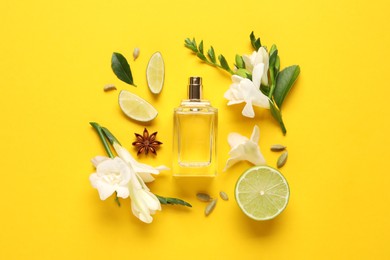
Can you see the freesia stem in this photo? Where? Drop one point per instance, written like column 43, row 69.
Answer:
column 99, row 130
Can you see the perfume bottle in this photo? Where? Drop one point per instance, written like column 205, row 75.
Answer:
column 195, row 134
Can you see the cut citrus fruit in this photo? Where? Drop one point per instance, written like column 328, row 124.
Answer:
column 262, row 192
column 155, row 73
column 135, row 107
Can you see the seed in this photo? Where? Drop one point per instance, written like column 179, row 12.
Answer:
column 282, row 159
column 223, row 195
column 203, row 197
column 210, row 207
column 135, row 53
column 277, row 147
column 109, row 87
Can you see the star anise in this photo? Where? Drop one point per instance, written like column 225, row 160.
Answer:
column 146, row 142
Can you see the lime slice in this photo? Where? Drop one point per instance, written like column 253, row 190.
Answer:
column 262, row 192
column 135, row 107
column 155, row 73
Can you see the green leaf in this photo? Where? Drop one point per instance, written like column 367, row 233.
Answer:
column 121, row 68
column 276, row 113
column 256, row 44
column 194, row 43
column 102, row 137
column 277, row 65
column 265, row 89
column 240, row 64
column 110, row 136
column 190, row 45
column 201, row 56
column 211, row 54
column 252, row 37
column 284, row 82
column 273, row 56
column 172, row 201
column 224, row 63
column 201, row 47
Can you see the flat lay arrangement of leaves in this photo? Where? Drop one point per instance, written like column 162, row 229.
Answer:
column 257, row 78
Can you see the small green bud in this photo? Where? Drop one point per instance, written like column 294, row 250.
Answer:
column 240, row 64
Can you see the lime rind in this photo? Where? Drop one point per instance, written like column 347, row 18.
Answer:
column 266, row 180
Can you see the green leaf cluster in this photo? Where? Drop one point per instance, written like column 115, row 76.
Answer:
column 211, row 57
column 281, row 84
column 121, row 68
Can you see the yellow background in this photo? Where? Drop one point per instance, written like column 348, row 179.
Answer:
column 55, row 59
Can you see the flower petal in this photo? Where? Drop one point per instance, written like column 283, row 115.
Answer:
column 248, row 110
column 255, row 134
column 105, row 190
column 139, row 214
column 93, row 178
column 234, row 139
column 234, row 102
column 261, row 101
column 247, row 149
column 234, row 92
column 146, row 177
column 257, row 73
column 122, row 192
column 230, row 162
column 151, row 200
column 162, row 168
column 253, row 154
column 236, row 79
column 236, row 154
column 98, row 159
column 265, row 60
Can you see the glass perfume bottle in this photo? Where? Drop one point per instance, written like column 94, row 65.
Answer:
column 195, row 134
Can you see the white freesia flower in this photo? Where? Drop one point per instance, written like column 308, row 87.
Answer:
column 259, row 57
column 127, row 177
column 245, row 90
column 112, row 175
column 243, row 148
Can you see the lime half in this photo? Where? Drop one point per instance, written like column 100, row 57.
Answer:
column 135, row 107
column 155, row 73
column 262, row 192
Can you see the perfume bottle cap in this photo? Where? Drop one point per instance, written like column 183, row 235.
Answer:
column 195, row 88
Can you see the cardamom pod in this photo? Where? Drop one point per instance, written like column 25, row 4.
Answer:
column 277, row 147
column 109, row 87
column 203, row 197
column 210, row 207
column 223, row 195
column 135, row 53
column 282, row 159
